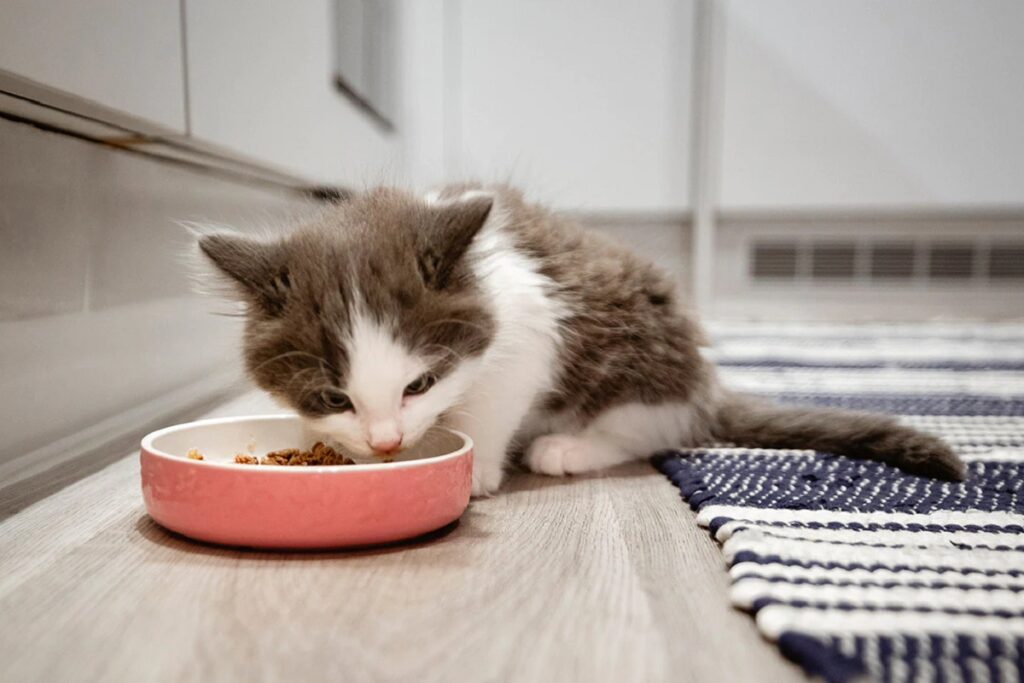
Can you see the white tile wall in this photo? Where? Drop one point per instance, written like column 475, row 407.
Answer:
column 96, row 308
column 42, row 268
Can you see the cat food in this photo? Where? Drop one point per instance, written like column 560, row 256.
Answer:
column 320, row 454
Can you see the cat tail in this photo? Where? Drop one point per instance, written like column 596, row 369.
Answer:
column 748, row 421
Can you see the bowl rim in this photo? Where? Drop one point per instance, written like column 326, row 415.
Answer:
column 146, row 445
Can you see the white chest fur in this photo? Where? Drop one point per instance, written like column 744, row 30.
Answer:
column 521, row 362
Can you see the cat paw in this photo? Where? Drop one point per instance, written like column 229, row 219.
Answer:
column 557, row 454
column 486, row 480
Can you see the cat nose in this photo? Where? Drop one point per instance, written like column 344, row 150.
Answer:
column 386, row 446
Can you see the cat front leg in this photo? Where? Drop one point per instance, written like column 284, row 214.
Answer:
column 491, row 426
column 492, row 412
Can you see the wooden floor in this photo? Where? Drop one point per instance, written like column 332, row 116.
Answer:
column 603, row 578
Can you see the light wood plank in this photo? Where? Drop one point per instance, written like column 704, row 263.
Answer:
column 601, row 578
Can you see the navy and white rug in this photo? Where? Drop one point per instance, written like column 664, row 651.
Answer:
column 855, row 569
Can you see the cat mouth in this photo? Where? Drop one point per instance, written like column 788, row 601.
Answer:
column 386, row 457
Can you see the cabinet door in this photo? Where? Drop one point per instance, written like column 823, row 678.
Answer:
column 122, row 54
column 585, row 102
column 261, row 84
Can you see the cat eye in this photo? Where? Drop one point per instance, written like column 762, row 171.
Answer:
column 420, row 384
column 336, row 400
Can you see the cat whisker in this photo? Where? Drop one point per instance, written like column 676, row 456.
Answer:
column 289, row 354
column 446, row 352
column 315, row 377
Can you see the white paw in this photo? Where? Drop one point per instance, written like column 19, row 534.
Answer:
column 557, row 454
column 486, row 479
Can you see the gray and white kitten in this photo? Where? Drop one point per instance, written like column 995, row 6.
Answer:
column 392, row 313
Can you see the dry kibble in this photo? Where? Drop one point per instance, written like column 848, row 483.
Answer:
column 320, row 454
column 194, row 454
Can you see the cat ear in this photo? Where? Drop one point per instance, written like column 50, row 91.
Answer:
column 256, row 267
column 450, row 231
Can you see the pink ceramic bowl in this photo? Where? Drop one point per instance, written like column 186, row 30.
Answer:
column 218, row 501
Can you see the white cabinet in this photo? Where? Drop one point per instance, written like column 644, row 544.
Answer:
column 584, row 102
column 123, row 54
column 261, row 85
column 907, row 103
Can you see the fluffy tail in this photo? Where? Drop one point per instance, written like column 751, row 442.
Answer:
column 747, row 421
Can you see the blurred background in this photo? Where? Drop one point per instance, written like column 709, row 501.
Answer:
column 785, row 159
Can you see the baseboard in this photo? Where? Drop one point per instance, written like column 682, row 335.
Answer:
column 635, row 218
column 838, row 272
column 918, row 214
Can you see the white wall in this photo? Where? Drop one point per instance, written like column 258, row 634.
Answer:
column 261, row 83
column 424, row 102
column 583, row 102
column 910, row 103
column 586, row 103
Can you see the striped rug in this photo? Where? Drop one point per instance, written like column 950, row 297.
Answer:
column 855, row 569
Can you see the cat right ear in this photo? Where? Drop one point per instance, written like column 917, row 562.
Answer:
column 446, row 238
column 256, row 268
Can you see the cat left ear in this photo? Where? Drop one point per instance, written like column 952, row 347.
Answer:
column 256, row 267
column 451, row 230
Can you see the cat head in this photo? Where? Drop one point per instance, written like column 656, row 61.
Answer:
column 369, row 321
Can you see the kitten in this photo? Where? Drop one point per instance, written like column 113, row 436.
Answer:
column 471, row 307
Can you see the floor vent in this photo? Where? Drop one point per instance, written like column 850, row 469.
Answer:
column 774, row 261
column 886, row 261
column 952, row 262
column 1006, row 262
column 833, row 260
column 891, row 261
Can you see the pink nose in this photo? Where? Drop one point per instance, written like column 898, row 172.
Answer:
column 388, row 446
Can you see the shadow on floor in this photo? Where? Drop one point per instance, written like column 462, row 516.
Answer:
column 158, row 535
column 522, row 480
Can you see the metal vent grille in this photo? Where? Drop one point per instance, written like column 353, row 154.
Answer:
column 833, row 261
column 885, row 261
column 1006, row 261
column 951, row 262
column 774, row 261
column 891, row 261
